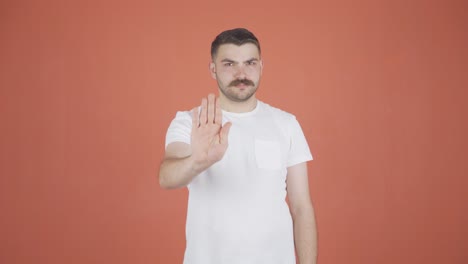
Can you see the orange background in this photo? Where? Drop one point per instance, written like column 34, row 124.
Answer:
column 88, row 90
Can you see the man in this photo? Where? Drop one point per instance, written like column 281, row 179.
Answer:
column 238, row 156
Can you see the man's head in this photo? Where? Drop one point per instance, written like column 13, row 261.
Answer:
column 236, row 64
column 237, row 36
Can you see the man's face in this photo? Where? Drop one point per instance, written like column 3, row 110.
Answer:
column 237, row 69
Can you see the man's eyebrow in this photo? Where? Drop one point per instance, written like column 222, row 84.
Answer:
column 249, row 60
column 226, row 60
column 252, row 59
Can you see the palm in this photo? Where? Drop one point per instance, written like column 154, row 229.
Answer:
column 209, row 137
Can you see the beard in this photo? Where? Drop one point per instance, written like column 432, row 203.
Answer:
column 238, row 95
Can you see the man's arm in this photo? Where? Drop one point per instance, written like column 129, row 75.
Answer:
column 302, row 212
column 178, row 167
column 209, row 140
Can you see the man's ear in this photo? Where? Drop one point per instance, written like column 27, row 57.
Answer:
column 212, row 67
column 261, row 66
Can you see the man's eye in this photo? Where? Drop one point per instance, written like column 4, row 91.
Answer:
column 228, row 64
column 251, row 63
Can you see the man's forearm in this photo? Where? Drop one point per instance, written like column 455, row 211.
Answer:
column 177, row 172
column 305, row 236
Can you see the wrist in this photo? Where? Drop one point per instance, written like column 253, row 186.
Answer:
column 196, row 166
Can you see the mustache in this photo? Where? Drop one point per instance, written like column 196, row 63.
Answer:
column 241, row 81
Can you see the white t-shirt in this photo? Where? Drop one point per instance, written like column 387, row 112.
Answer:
column 237, row 213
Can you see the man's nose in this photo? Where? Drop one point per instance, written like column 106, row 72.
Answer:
column 240, row 72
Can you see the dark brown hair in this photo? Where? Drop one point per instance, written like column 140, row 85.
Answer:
column 236, row 36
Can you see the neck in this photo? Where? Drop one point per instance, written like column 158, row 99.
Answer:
column 238, row 107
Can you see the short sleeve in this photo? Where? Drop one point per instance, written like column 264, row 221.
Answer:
column 299, row 149
column 180, row 128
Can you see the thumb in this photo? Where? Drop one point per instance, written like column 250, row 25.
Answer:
column 224, row 133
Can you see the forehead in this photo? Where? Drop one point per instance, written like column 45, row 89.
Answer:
column 233, row 52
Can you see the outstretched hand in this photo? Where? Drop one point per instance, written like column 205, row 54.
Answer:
column 209, row 135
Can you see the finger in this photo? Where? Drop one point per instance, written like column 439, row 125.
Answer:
column 195, row 117
column 211, row 108
column 225, row 133
column 218, row 113
column 203, row 112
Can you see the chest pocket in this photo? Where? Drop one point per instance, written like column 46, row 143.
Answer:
column 268, row 154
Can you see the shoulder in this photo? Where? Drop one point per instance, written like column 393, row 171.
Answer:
column 180, row 128
column 181, row 120
column 277, row 113
column 181, row 115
